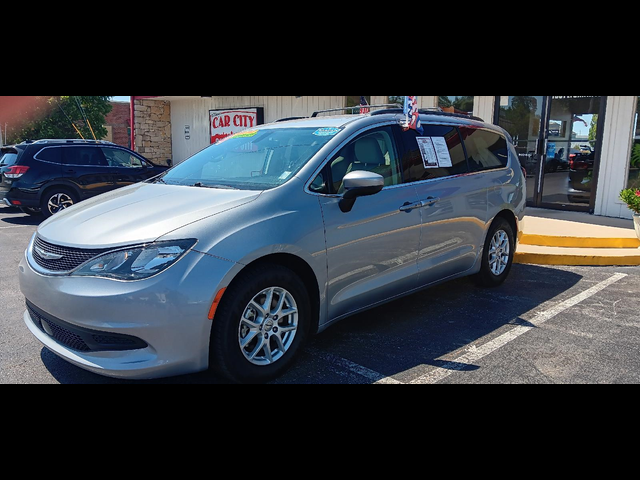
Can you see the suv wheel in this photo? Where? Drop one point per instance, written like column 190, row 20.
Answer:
column 54, row 201
column 261, row 324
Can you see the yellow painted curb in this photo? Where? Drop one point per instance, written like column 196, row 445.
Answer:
column 577, row 242
column 576, row 260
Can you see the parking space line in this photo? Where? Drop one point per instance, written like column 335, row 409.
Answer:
column 16, row 226
column 474, row 353
column 365, row 372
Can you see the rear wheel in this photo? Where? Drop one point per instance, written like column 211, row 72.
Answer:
column 261, row 324
column 56, row 200
column 497, row 257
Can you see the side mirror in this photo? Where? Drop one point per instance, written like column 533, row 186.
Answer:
column 359, row 184
column 169, row 162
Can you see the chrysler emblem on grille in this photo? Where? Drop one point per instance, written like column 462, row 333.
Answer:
column 47, row 255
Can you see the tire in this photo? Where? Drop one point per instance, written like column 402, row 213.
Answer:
column 253, row 344
column 55, row 200
column 497, row 257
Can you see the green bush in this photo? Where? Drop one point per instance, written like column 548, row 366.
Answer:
column 631, row 197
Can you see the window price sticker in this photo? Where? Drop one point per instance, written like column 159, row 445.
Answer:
column 435, row 152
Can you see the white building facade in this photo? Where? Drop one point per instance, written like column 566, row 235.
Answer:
column 579, row 151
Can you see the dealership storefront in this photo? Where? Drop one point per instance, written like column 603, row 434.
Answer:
column 579, row 151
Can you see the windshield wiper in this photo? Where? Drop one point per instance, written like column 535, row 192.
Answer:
column 223, row 187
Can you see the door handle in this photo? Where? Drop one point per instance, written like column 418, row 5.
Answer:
column 429, row 202
column 408, row 207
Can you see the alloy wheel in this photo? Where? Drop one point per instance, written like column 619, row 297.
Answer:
column 499, row 253
column 268, row 326
column 59, row 202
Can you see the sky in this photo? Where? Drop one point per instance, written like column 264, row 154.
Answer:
column 121, row 99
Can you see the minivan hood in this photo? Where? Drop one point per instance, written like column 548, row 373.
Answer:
column 137, row 214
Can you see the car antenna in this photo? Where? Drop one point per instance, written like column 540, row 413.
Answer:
column 70, row 121
column 84, row 115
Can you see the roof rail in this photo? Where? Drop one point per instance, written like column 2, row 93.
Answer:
column 429, row 111
column 353, row 109
column 68, row 141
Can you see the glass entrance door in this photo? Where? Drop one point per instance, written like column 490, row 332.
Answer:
column 573, row 142
column 559, row 142
column 524, row 117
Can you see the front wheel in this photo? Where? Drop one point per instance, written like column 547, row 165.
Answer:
column 261, row 324
column 497, row 257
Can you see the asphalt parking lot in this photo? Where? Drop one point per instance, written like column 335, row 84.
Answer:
column 546, row 325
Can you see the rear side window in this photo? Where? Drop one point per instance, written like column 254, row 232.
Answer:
column 51, row 155
column 435, row 154
column 486, row 150
column 84, row 156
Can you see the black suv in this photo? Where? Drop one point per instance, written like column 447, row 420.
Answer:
column 50, row 175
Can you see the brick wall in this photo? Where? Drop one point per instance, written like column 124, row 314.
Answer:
column 153, row 130
column 118, row 121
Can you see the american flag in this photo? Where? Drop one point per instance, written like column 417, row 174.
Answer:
column 413, row 115
column 364, row 106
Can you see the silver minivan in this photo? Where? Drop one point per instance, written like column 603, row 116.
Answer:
column 235, row 257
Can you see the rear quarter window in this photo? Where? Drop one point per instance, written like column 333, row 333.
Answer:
column 51, row 155
column 486, row 150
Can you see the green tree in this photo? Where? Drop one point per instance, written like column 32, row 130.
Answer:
column 55, row 117
column 593, row 129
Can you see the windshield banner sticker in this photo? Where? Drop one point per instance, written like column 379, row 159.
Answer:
column 326, row 132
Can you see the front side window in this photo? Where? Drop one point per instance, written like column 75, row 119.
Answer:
column 373, row 151
column 121, row 158
column 83, row 156
column 435, row 154
column 252, row 160
column 486, row 150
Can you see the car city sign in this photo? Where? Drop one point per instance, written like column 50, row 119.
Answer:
column 224, row 123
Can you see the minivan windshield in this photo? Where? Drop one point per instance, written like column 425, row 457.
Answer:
column 251, row 160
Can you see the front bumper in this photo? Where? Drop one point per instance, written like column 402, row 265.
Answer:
column 168, row 313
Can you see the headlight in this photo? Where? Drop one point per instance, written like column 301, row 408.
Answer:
column 136, row 263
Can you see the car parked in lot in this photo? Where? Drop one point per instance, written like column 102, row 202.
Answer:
column 234, row 258
column 7, row 159
column 48, row 176
column 581, row 176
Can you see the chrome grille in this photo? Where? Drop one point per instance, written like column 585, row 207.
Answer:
column 70, row 258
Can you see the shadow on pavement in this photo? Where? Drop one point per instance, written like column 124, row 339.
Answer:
column 17, row 217
column 397, row 337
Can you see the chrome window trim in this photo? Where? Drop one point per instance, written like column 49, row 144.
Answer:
column 307, row 186
column 113, row 147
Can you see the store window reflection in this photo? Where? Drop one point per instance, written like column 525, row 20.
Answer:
column 457, row 104
column 521, row 116
column 634, row 167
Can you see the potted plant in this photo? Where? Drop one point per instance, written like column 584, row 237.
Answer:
column 631, row 197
